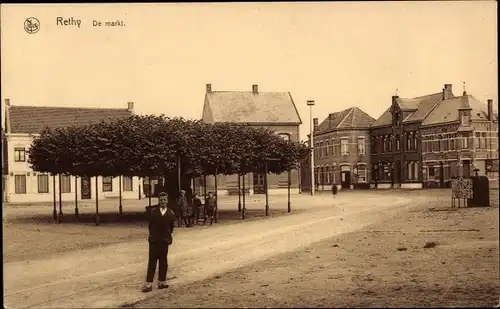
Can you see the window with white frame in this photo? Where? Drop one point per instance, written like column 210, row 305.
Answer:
column 415, row 170
column 43, row 183
column 285, row 136
column 361, row 145
column 465, row 141
column 410, row 170
column 415, row 141
column 362, row 173
column 332, row 147
column 328, row 179
column 385, row 145
column 127, row 183
column 19, row 154
column 327, row 148
column 20, row 184
column 398, row 146
column 65, row 184
column 465, row 119
column 107, row 184
column 438, row 143
column 483, row 138
column 344, row 146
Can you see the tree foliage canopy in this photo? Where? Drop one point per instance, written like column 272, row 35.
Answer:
column 152, row 145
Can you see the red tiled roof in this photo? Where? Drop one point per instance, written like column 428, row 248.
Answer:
column 420, row 106
column 351, row 118
column 447, row 110
column 247, row 107
column 33, row 119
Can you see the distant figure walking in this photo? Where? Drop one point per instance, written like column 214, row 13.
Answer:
column 196, row 209
column 210, row 208
column 161, row 226
column 334, row 189
column 184, row 208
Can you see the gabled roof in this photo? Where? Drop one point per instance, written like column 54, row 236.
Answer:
column 249, row 107
column 419, row 107
column 33, row 119
column 351, row 118
column 447, row 110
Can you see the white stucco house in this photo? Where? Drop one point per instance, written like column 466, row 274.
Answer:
column 23, row 185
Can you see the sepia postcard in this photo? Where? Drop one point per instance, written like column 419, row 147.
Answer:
column 250, row 154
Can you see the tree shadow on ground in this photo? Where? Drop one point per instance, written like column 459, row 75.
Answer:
column 135, row 218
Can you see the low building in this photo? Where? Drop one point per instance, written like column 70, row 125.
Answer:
column 341, row 151
column 459, row 138
column 271, row 110
column 23, row 185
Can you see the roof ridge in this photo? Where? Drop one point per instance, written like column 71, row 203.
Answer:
column 427, row 95
column 294, row 106
column 345, row 117
column 365, row 113
column 68, row 107
column 241, row 91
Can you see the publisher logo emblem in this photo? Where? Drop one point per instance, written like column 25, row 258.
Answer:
column 31, row 25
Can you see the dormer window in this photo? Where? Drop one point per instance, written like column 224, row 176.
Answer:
column 465, row 119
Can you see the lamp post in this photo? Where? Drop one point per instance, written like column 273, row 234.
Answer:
column 310, row 103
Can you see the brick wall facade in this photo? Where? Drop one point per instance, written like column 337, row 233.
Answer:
column 448, row 151
column 341, row 157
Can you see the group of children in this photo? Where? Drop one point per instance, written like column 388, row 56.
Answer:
column 190, row 211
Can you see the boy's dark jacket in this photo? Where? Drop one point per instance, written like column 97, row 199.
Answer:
column 160, row 227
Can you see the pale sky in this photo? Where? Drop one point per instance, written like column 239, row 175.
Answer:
column 338, row 54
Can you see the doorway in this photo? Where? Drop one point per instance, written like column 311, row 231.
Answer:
column 466, row 168
column 85, row 188
column 258, row 184
column 346, row 179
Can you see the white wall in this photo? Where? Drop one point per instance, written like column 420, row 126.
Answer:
column 32, row 195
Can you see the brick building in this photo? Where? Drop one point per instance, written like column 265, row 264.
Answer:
column 432, row 137
column 395, row 140
column 341, row 151
column 459, row 136
column 272, row 110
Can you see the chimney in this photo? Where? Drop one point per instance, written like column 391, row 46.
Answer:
column 330, row 118
column 130, row 107
column 255, row 89
column 209, row 88
column 447, row 92
column 490, row 110
column 394, row 99
column 7, row 116
column 315, row 123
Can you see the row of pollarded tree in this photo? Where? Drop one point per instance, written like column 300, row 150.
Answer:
column 175, row 149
